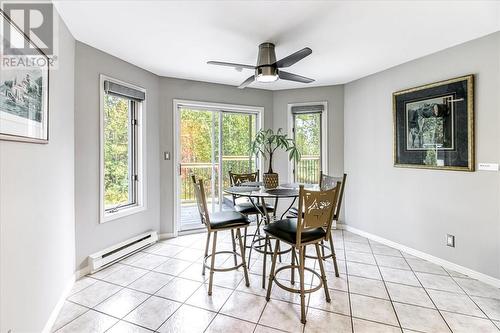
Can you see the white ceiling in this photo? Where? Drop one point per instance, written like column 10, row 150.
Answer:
column 349, row 39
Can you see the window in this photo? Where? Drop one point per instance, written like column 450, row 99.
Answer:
column 308, row 129
column 121, row 149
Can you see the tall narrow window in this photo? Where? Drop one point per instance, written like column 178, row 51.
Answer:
column 308, row 131
column 121, row 169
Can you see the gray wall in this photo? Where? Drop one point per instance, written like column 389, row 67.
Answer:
column 418, row 207
column 37, row 240
column 171, row 89
column 92, row 236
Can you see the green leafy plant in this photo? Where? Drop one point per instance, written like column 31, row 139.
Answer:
column 266, row 142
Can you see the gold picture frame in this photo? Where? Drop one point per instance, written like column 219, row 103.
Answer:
column 454, row 147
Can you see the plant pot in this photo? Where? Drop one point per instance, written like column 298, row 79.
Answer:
column 271, row 180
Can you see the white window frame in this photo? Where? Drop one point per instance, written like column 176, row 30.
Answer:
column 324, row 134
column 233, row 108
column 141, row 189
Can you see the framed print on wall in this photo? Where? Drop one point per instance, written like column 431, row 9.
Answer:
column 24, row 87
column 434, row 125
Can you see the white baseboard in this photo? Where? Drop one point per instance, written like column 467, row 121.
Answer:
column 438, row 261
column 55, row 312
column 167, row 235
column 82, row 272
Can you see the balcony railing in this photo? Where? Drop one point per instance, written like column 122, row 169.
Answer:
column 237, row 164
column 307, row 171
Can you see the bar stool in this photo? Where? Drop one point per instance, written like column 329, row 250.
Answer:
column 248, row 208
column 309, row 228
column 327, row 182
column 220, row 221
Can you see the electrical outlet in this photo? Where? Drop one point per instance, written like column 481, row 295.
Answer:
column 450, row 240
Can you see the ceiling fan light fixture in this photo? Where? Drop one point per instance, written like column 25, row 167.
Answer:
column 268, row 70
column 266, row 74
column 267, row 78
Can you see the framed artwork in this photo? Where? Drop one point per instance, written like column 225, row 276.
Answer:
column 434, row 125
column 24, row 90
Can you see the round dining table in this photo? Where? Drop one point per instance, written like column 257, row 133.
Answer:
column 256, row 193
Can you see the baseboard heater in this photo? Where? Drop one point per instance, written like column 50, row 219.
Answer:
column 116, row 252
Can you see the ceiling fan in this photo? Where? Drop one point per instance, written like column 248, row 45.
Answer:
column 268, row 69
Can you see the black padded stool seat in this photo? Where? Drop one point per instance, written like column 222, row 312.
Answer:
column 248, row 208
column 286, row 230
column 228, row 219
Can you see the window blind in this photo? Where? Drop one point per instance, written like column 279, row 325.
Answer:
column 119, row 90
column 313, row 108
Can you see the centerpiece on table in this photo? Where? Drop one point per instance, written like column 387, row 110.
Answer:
column 266, row 142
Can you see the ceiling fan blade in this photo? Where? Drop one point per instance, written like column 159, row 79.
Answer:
column 294, row 77
column 293, row 58
column 247, row 82
column 230, row 64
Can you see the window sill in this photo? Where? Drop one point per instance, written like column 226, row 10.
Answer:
column 107, row 217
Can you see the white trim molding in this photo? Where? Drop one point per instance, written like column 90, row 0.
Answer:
column 258, row 110
column 324, row 134
column 422, row 255
column 60, row 303
column 167, row 235
column 141, row 155
column 82, row 272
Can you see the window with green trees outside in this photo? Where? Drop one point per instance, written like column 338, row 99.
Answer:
column 119, row 152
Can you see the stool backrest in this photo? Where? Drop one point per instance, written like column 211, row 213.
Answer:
column 318, row 208
column 327, row 182
column 340, row 195
column 201, row 201
column 236, row 179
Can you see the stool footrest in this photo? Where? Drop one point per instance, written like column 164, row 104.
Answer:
column 326, row 256
column 293, row 290
column 232, row 268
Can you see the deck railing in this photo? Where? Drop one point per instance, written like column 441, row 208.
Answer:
column 203, row 170
column 307, row 171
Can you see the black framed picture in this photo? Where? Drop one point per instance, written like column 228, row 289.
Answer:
column 24, row 88
column 434, row 125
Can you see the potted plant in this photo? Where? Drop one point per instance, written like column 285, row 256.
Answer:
column 266, row 142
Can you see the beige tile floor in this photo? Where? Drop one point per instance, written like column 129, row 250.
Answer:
column 380, row 290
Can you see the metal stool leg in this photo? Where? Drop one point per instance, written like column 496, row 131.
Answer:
column 294, row 259
column 334, row 257
column 253, row 240
column 302, row 251
column 271, row 273
column 206, row 252
column 212, row 265
column 242, row 251
column 323, row 275
column 234, row 247
column 278, row 246
column 245, row 241
column 264, row 263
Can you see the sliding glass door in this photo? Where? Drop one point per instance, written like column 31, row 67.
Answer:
column 212, row 141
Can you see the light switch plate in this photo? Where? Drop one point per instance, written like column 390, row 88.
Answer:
column 166, row 155
column 450, row 240
column 488, row 166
